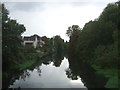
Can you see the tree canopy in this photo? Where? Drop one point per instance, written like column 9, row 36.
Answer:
column 11, row 37
column 98, row 36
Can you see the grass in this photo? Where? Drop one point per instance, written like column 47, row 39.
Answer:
column 40, row 52
column 18, row 66
column 31, row 60
column 112, row 82
column 111, row 73
column 26, row 64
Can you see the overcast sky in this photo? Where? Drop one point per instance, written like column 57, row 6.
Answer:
column 53, row 17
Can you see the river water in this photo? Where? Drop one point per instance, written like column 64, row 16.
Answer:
column 48, row 76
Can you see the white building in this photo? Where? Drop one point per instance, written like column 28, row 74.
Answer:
column 33, row 41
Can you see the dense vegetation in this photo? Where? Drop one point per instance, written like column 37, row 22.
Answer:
column 11, row 42
column 16, row 57
column 97, row 43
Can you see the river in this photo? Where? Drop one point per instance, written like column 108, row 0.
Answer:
column 48, row 76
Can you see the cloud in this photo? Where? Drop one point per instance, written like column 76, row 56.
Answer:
column 28, row 6
column 87, row 1
column 24, row 6
column 53, row 18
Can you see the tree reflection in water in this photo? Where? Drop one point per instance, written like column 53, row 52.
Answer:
column 25, row 74
column 70, row 74
column 38, row 70
column 88, row 75
column 57, row 59
column 76, row 69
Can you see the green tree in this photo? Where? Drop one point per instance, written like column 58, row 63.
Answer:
column 110, row 13
column 83, row 43
column 58, row 44
column 11, row 38
column 74, row 35
column 98, row 42
column 72, row 29
column 47, row 47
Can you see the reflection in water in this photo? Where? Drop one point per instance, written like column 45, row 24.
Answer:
column 48, row 76
column 70, row 74
column 86, row 72
column 38, row 71
column 55, row 71
column 57, row 59
column 25, row 74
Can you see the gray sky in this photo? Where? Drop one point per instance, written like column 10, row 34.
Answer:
column 53, row 17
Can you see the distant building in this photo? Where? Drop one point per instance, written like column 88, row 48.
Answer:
column 33, row 41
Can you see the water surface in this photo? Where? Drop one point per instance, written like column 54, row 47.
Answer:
column 48, row 76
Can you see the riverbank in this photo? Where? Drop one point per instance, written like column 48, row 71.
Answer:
column 110, row 73
column 30, row 58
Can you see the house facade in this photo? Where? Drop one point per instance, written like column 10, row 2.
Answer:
column 33, row 41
